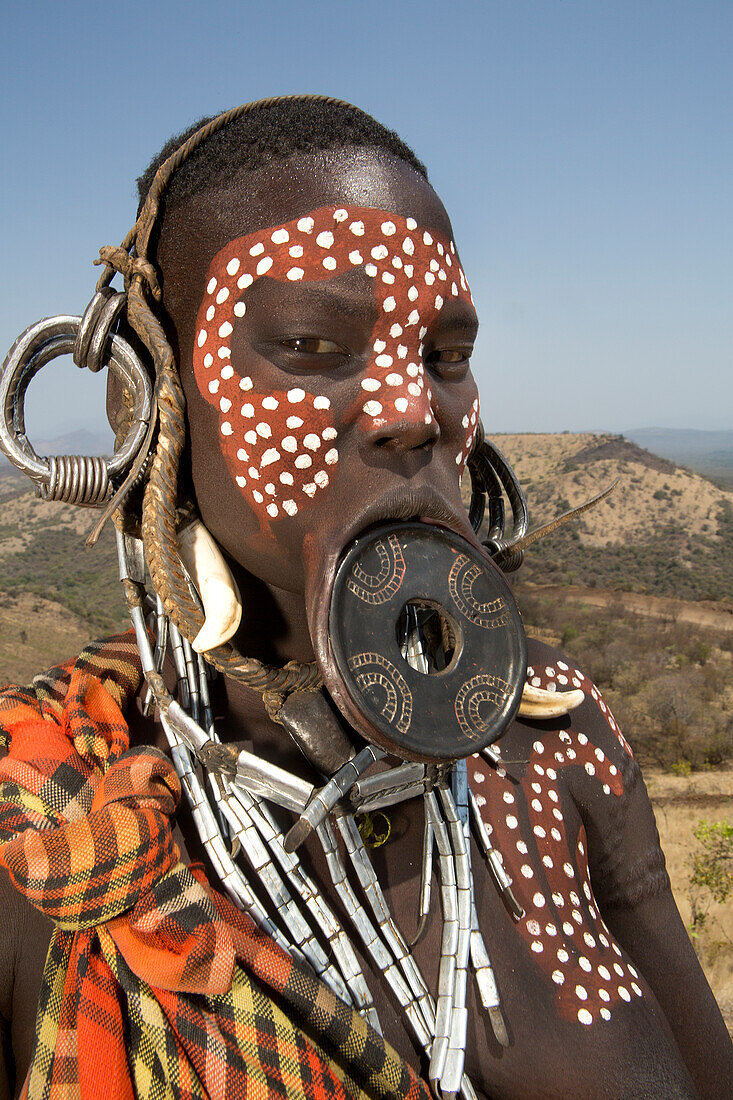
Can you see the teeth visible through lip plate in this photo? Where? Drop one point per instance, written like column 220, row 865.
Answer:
column 216, row 586
column 539, row 703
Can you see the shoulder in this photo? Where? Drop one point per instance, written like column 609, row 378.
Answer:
column 593, row 720
column 606, row 784
column 583, row 752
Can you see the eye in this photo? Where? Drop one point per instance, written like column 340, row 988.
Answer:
column 450, row 355
column 314, row 345
column 450, row 363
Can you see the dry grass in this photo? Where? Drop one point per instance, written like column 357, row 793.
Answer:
column 680, row 803
column 36, row 634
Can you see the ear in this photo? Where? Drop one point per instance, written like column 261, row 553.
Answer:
column 118, row 403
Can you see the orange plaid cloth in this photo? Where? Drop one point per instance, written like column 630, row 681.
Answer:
column 155, row 985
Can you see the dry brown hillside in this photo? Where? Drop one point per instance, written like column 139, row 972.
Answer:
column 651, row 493
column 664, row 530
column 42, row 553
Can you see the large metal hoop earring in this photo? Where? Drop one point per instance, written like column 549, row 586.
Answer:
column 76, row 479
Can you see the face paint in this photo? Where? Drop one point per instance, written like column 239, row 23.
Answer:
column 282, row 447
column 562, row 926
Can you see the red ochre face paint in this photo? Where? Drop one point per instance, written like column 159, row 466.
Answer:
column 282, row 446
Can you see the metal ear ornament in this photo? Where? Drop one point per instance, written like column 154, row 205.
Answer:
column 91, row 339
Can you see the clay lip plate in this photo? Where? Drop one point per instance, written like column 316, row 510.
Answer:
column 413, row 715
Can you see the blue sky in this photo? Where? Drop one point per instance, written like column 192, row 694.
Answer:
column 582, row 148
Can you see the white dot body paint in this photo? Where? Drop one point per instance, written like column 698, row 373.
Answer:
column 581, row 946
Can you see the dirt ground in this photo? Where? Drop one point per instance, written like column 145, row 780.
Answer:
column 36, row 634
column 680, row 803
column 703, row 613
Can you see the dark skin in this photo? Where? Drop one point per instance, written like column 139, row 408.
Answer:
column 670, row 1042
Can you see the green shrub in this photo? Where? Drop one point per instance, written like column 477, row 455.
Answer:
column 668, row 684
column 711, row 869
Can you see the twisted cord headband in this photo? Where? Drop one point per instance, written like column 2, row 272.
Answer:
column 160, row 502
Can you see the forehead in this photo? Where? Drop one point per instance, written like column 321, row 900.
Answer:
column 284, row 191
column 415, row 272
column 391, row 249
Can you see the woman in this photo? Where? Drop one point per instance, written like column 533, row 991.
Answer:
column 317, row 320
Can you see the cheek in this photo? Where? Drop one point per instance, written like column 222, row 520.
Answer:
column 280, row 447
column 469, row 427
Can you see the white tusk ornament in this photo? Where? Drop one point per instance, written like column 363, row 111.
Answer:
column 540, row 703
column 216, row 586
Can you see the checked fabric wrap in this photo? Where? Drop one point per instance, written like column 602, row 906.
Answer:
column 153, row 980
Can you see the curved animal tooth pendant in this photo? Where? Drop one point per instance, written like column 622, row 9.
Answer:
column 216, row 586
column 540, row 703
column 427, row 646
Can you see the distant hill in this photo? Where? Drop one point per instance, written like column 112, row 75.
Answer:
column 80, row 442
column 42, row 552
column 665, row 530
column 709, row 453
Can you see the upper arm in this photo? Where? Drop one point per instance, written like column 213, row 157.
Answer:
column 632, row 888
column 24, row 939
column 8, row 945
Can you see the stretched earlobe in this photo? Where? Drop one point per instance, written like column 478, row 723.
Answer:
column 216, row 586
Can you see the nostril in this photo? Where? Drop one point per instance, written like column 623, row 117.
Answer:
column 408, row 435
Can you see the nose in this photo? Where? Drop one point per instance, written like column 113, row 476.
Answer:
column 397, row 410
column 414, row 429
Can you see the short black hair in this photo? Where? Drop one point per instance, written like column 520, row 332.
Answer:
column 271, row 132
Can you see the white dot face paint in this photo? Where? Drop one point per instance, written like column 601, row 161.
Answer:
column 545, row 855
column 321, row 245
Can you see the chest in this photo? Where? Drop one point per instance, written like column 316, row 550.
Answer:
column 570, row 998
column 576, row 1008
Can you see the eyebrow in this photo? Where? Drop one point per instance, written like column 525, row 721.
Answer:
column 357, row 305
column 460, row 321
